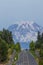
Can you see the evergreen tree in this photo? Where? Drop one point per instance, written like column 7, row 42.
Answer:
column 38, row 42
column 42, row 38
column 32, row 46
column 17, row 47
column 3, row 50
column 7, row 36
column 39, row 37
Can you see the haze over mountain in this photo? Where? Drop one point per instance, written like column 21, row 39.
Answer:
column 25, row 31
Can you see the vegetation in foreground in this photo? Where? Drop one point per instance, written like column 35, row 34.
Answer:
column 36, row 48
column 7, row 45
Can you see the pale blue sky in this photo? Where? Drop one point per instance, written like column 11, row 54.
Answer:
column 18, row 10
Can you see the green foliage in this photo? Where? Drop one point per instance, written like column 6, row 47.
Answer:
column 0, row 33
column 17, row 47
column 38, row 46
column 7, row 36
column 16, row 57
column 42, row 38
column 38, row 42
column 33, row 53
column 12, row 47
column 6, row 43
column 41, row 61
column 39, row 37
column 3, row 50
column 13, row 64
column 32, row 46
column 41, row 52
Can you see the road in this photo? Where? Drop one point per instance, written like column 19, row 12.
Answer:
column 25, row 58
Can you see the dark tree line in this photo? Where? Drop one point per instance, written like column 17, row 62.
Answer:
column 6, row 43
column 7, row 36
column 38, row 44
column 3, row 50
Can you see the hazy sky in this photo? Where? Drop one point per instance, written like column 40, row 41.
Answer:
column 19, row 10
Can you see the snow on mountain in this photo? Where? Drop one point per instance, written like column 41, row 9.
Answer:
column 24, row 31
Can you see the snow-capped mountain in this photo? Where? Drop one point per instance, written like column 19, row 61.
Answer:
column 25, row 31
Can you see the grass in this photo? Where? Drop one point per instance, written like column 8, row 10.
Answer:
column 13, row 64
column 16, row 57
column 33, row 53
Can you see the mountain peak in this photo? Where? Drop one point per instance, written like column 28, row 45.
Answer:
column 25, row 31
